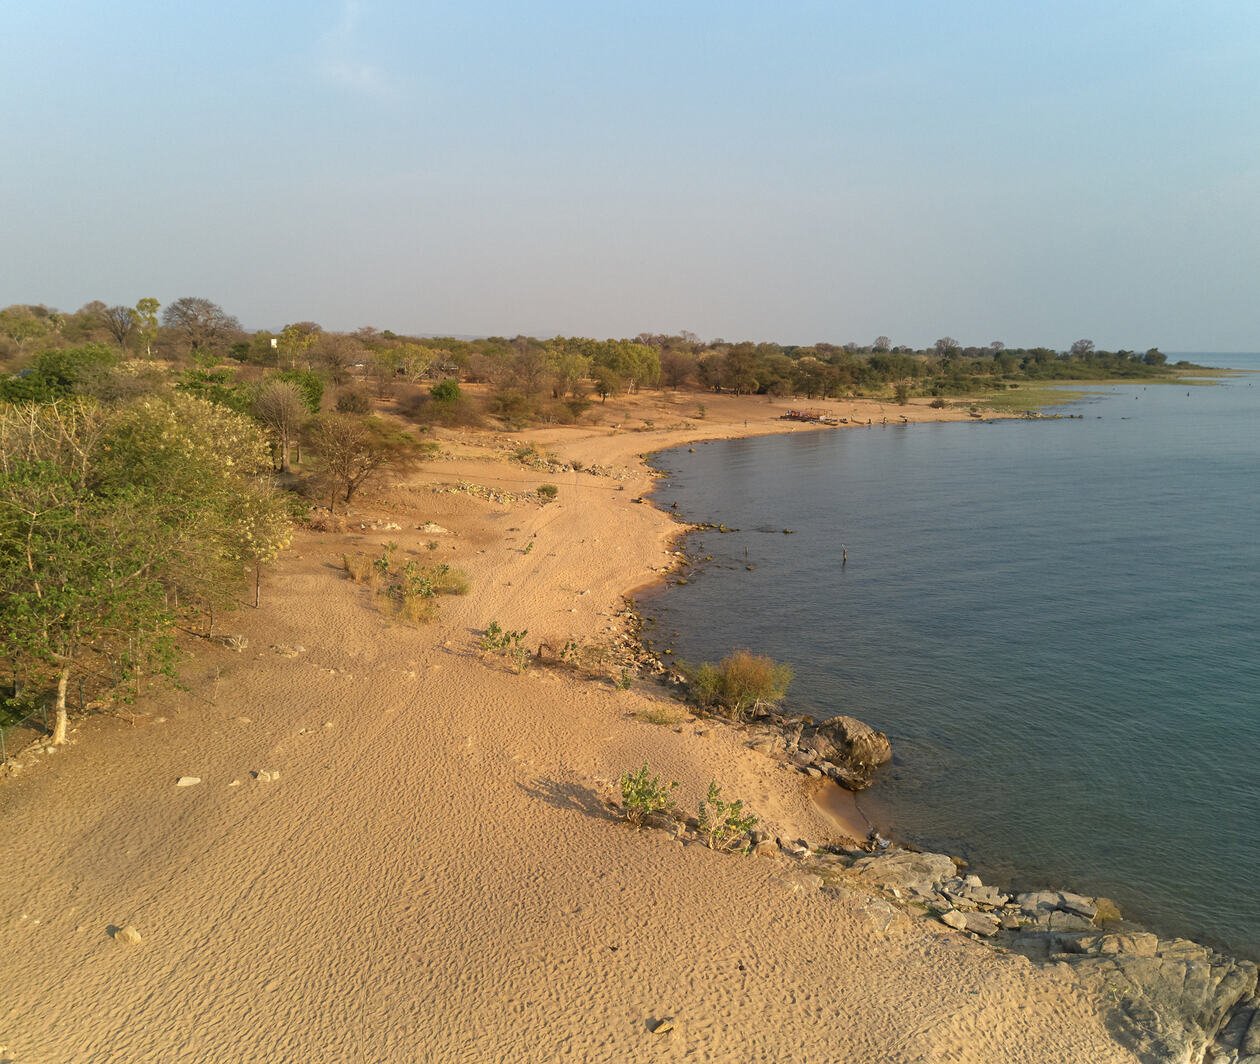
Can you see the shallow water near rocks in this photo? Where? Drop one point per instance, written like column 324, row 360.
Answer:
column 1057, row 622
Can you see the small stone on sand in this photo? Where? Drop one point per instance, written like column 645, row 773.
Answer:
column 128, row 936
column 187, row 781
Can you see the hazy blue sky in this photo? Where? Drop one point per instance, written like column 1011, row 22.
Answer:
column 1032, row 172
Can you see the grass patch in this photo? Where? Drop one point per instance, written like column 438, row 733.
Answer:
column 663, row 715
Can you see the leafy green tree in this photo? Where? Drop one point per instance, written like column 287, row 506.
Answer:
column 446, row 391
column 310, row 386
column 59, row 373
column 147, row 323
column 21, row 326
column 296, row 340
column 219, row 386
column 113, row 521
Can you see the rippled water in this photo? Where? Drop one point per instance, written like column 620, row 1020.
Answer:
column 1055, row 621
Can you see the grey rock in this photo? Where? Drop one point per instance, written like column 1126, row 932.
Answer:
column 982, row 924
column 918, row 873
column 855, row 748
column 1039, row 902
column 1060, row 921
column 985, row 896
column 1174, row 1001
column 954, row 919
column 1078, row 904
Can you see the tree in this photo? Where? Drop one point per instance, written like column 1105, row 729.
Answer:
column 112, row 520
column 310, row 387
column 120, row 321
column 446, row 391
column 882, row 343
column 677, row 368
column 1082, row 348
column 21, row 326
column 201, row 324
column 147, row 323
column 607, row 383
column 279, row 408
column 296, row 340
column 353, row 450
column 1154, row 357
column 947, row 348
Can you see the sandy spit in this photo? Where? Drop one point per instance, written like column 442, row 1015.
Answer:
column 398, row 850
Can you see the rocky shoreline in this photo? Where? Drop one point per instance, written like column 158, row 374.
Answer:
column 1177, row 1000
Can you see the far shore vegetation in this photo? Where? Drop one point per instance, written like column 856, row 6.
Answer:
column 152, row 459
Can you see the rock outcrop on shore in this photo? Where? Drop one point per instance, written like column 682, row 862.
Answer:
column 843, row 749
column 1178, row 1000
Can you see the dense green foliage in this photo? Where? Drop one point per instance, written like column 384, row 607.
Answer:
column 117, row 522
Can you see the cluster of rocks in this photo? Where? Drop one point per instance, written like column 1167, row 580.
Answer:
column 1177, row 1000
column 477, row 491
column 843, row 749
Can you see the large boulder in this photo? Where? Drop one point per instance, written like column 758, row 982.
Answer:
column 906, row 871
column 1175, row 997
column 854, row 748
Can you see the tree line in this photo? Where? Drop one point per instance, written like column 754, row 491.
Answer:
column 145, row 451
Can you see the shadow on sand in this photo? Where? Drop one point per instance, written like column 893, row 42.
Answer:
column 569, row 795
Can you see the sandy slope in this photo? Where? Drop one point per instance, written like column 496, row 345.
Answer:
column 433, row 876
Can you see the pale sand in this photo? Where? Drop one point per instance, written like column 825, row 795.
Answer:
column 433, row 877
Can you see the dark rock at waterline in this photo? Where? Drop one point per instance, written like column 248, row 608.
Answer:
column 853, row 749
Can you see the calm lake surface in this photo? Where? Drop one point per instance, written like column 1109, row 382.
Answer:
column 1057, row 623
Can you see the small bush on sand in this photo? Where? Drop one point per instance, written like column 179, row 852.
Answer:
column 644, row 796
column 547, row 492
column 511, row 645
column 740, row 683
column 938, row 403
column 723, row 824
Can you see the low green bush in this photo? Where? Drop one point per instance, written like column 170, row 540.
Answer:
column 644, row 796
column 723, row 824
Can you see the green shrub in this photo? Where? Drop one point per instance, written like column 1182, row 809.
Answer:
column 446, row 391
column 511, row 645
column 548, row 492
column 938, row 403
column 723, row 824
column 740, row 683
column 644, row 796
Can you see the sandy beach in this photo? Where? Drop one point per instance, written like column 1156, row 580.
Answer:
column 432, row 872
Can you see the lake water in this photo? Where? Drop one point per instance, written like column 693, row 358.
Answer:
column 1057, row 622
